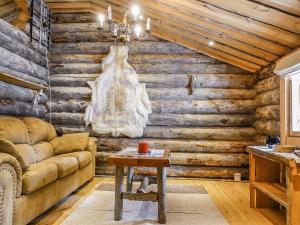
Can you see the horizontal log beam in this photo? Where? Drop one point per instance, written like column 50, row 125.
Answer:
column 14, row 108
column 178, row 145
column 267, row 127
column 22, row 50
column 268, row 98
column 268, row 84
column 189, row 58
column 184, row 171
column 179, row 107
column 17, row 63
column 208, row 120
column 270, row 112
column 168, row 68
column 15, row 93
column 197, row 159
column 67, row 93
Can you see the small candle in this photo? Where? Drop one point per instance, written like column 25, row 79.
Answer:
column 143, row 147
column 109, row 13
column 138, row 31
column 148, row 25
column 101, row 20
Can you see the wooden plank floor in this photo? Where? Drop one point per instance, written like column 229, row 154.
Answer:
column 232, row 199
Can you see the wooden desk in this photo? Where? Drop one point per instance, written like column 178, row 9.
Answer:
column 132, row 159
column 275, row 182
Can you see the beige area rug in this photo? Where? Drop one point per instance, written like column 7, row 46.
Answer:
column 193, row 207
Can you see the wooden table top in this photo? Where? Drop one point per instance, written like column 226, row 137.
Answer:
column 280, row 157
column 130, row 157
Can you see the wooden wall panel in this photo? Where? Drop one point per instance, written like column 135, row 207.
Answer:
column 206, row 128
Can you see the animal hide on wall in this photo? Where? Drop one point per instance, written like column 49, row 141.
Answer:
column 120, row 104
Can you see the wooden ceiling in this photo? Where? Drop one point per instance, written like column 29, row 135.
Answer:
column 247, row 33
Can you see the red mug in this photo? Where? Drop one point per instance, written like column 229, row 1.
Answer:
column 143, row 147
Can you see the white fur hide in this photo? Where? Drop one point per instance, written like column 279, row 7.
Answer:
column 120, row 104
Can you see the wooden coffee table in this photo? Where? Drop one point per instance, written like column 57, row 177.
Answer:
column 129, row 158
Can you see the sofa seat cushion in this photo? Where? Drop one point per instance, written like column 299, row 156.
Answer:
column 43, row 150
column 84, row 158
column 39, row 175
column 65, row 165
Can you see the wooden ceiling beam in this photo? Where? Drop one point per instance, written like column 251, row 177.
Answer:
column 217, row 37
column 216, row 27
column 260, row 13
column 291, row 6
column 170, row 36
column 193, row 34
column 251, row 26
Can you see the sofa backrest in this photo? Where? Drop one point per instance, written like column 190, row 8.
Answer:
column 30, row 137
column 14, row 130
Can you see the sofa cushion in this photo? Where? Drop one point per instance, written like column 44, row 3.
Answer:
column 83, row 158
column 39, row 175
column 13, row 130
column 39, row 130
column 27, row 153
column 43, row 150
column 8, row 147
column 65, row 165
column 70, row 143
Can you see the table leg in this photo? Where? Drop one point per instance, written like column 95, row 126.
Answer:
column 161, row 189
column 118, row 192
column 129, row 179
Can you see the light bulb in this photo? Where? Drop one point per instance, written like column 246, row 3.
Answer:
column 135, row 10
column 141, row 17
column 211, row 43
column 101, row 19
column 138, row 30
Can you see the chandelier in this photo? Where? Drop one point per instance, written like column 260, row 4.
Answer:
column 130, row 28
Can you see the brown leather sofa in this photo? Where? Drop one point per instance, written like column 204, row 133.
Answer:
column 38, row 168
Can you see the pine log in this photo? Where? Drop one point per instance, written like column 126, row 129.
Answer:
column 184, row 171
column 103, row 47
column 82, row 17
column 22, row 50
column 19, row 64
column 178, row 145
column 208, row 120
column 93, row 35
column 260, row 140
column 270, row 112
column 268, row 98
column 178, row 107
column 267, row 127
column 267, row 84
column 15, row 93
column 16, row 34
column 22, row 76
column 197, row 159
column 266, row 72
column 165, row 80
column 14, row 108
column 189, row 58
column 153, row 68
column 67, row 93
column 217, row 133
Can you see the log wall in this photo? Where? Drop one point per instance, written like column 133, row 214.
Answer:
column 268, row 105
column 203, row 109
column 22, row 70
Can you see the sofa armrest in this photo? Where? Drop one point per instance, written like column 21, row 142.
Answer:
column 92, row 147
column 10, row 187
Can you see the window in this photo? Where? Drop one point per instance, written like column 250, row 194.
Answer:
column 295, row 105
column 288, row 68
